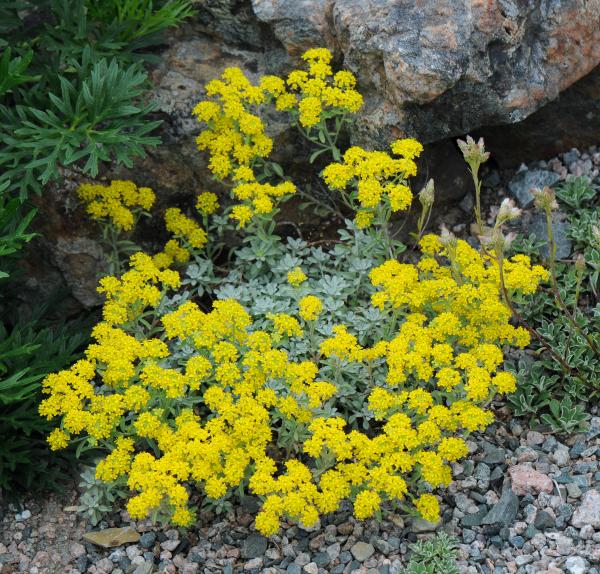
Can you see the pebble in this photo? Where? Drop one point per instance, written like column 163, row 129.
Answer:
column 362, row 551
column 254, row 546
column 526, row 479
column 588, row 511
column 576, row 565
column 544, row 520
column 147, row 539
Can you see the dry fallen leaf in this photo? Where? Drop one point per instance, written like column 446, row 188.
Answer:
column 111, row 537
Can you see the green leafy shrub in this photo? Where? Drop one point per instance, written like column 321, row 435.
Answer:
column 29, row 350
column 75, row 99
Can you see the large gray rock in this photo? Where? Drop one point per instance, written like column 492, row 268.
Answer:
column 439, row 68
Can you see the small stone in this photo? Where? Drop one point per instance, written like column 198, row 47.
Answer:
column 422, row 525
column 468, row 536
column 560, row 228
column 321, row 559
column 564, row 545
column 505, row 511
column 482, row 475
column 474, row 519
column 589, row 511
column 493, row 454
column 577, row 449
column 254, row 546
column 105, row 565
column 81, row 563
column 517, row 541
column 468, row 467
column 530, row 531
column 573, row 490
column 333, row 551
column 170, row 545
column 311, row 568
column 549, row 444
column 526, row 454
column 293, row 568
column 560, row 456
column 528, row 480
column 543, row 520
column 145, row 568
column 382, row 546
column 147, row 539
column 76, row 549
column 254, row 564
column 576, row 565
column 362, row 551
column 523, row 559
column 587, row 532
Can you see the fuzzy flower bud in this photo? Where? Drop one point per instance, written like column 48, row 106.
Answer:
column 473, row 152
column 545, row 199
column 427, row 194
column 507, row 212
column 447, row 238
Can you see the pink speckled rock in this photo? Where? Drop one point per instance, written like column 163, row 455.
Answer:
column 527, row 480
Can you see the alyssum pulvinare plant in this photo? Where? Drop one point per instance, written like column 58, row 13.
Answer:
column 215, row 399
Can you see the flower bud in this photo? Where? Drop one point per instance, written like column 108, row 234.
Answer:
column 580, row 264
column 447, row 238
column 427, row 194
column 507, row 212
column 545, row 199
column 473, row 152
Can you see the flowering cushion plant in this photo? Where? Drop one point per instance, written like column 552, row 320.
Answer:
column 257, row 393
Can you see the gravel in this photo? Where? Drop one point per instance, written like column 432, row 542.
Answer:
column 499, row 530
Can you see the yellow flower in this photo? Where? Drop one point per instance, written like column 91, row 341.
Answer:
column 207, row 203
column 120, row 202
column 296, row 277
column 367, row 503
column 428, row 507
column 310, row 307
column 58, row 439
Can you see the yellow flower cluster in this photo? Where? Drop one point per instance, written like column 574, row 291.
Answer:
column 235, row 135
column 139, row 287
column 310, row 307
column 119, row 202
column 319, row 92
column 296, row 277
column 207, row 203
column 374, row 180
column 187, row 235
column 258, row 199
